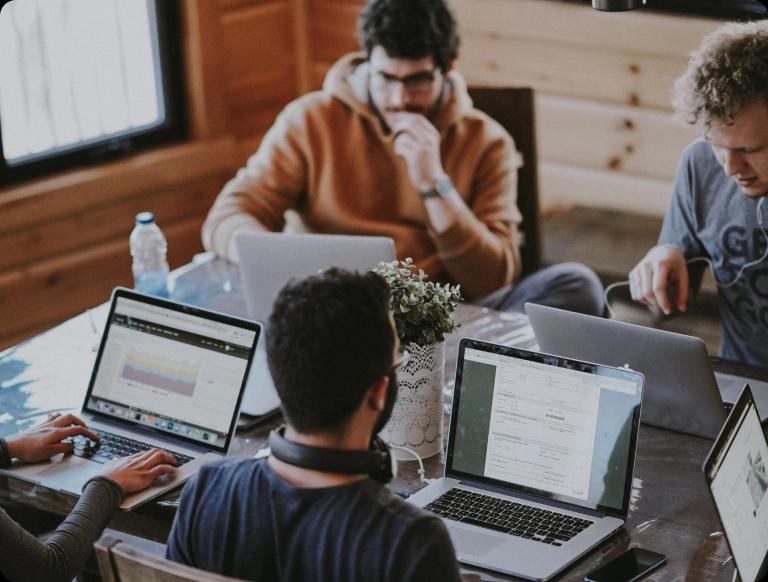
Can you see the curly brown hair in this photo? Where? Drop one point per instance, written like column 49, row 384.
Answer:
column 728, row 71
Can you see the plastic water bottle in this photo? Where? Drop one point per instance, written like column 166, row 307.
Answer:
column 148, row 249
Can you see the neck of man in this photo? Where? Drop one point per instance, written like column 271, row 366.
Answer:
column 356, row 436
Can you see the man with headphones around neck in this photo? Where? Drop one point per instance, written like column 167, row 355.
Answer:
column 716, row 213
column 317, row 507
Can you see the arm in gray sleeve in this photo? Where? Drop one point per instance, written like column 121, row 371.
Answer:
column 24, row 557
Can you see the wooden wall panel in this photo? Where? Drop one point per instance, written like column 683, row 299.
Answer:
column 50, row 291
column 631, row 140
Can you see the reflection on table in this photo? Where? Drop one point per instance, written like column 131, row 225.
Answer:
column 671, row 510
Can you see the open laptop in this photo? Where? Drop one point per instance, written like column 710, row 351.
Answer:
column 681, row 390
column 540, row 458
column 166, row 375
column 736, row 473
column 269, row 260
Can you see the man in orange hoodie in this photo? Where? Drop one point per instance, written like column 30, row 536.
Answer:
column 392, row 146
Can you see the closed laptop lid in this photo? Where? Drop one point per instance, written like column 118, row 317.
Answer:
column 269, row 260
column 546, row 426
column 735, row 470
column 172, row 370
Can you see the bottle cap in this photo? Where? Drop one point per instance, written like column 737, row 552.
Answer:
column 145, row 218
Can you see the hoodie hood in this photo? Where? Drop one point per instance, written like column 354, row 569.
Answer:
column 347, row 80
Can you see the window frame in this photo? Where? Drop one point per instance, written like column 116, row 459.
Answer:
column 173, row 129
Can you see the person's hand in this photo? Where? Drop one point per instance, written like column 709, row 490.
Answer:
column 43, row 441
column 138, row 471
column 661, row 273
column 417, row 141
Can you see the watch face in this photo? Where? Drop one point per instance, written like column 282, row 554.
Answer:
column 444, row 186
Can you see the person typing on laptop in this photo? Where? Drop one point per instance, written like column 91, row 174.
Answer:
column 22, row 555
column 317, row 507
column 716, row 214
column 392, row 146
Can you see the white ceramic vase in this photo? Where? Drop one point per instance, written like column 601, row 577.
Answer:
column 417, row 419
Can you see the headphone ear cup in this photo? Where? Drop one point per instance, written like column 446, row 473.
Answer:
column 388, row 469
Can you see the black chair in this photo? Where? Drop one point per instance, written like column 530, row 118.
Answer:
column 513, row 108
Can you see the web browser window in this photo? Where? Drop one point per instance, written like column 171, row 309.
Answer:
column 172, row 371
column 550, row 429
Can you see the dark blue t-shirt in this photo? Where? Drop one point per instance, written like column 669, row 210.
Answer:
column 240, row 519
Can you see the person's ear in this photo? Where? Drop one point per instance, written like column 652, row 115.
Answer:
column 377, row 394
column 449, row 67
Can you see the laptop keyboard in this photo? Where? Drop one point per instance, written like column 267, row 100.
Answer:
column 525, row 521
column 113, row 446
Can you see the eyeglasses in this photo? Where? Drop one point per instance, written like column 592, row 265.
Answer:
column 418, row 83
column 401, row 360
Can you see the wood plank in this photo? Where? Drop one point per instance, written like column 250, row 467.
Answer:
column 207, row 111
column 599, row 74
column 636, row 141
column 301, row 44
column 256, row 40
column 96, row 225
column 332, row 29
column 255, row 101
column 229, row 5
column 50, row 291
column 570, row 185
column 562, row 23
column 75, row 191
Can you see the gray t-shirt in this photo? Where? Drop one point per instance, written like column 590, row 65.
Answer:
column 709, row 216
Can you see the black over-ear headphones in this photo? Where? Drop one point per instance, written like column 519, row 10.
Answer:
column 376, row 462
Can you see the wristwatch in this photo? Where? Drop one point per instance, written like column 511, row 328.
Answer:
column 441, row 189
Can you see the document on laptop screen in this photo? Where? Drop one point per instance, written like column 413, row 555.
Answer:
column 545, row 428
column 173, row 371
column 739, row 482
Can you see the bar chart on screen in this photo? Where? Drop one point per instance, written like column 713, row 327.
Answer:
column 174, row 376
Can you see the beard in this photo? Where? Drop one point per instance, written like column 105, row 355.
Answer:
column 389, row 404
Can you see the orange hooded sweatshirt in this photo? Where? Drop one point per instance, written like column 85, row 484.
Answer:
column 328, row 157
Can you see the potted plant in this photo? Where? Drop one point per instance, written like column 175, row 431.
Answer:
column 423, row 312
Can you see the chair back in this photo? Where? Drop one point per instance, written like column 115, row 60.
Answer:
column 513, row 109
column 122, row 562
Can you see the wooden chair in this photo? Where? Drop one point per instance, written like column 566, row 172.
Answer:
column 123, row 562
column 513, row 108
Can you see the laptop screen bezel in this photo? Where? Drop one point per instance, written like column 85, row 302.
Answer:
column 468, row 343
column 122, row 293
column 722, row 443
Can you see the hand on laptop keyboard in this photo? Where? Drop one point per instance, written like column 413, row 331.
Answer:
column 50, row 438
column 138, row 471
column 113, row 446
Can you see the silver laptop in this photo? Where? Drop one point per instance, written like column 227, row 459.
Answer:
column 736, row 473
column 166, row 375
column 540, row 458
column 269, row 260
column 681, row 392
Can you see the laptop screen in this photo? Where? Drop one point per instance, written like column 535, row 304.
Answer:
column 172, row 369
column 738, row 480
column 544, row 425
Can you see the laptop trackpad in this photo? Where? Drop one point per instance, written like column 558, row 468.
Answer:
column 473, row 543
column 70, row 475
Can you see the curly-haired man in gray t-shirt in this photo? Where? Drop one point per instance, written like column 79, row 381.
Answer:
column 716, row 214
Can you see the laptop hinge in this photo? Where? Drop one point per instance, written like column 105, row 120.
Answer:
column 534, row 498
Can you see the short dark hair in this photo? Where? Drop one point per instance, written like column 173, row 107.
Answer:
column 410, row 29
column 329, row 339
